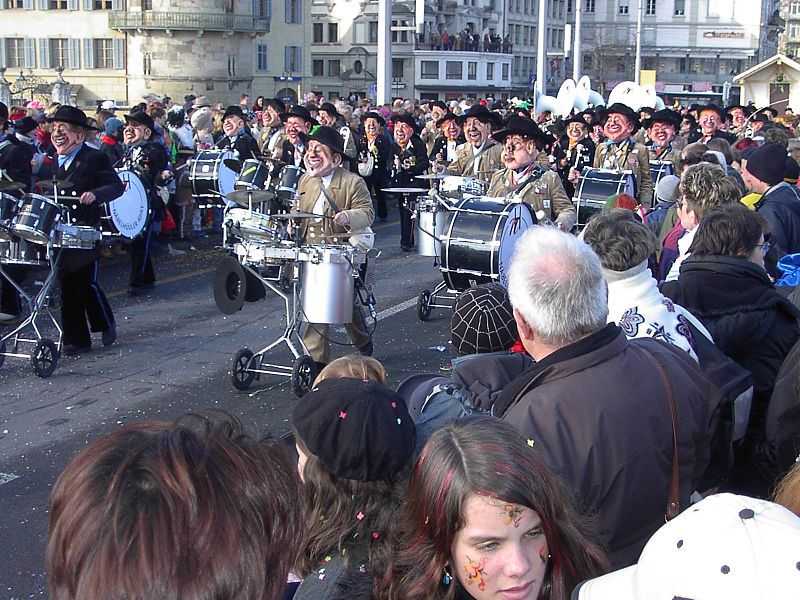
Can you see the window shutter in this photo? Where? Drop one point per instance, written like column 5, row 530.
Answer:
column 287, row 11
column 27, row 4
column 72, row 4
column 88, row 53
column 3, row 52
column 88, row 4
column 44, row 53
column 299, row 7
column 117, row 5
column 299, row 50
column 269, row 9
column 119, row 53
column 287, row 58
column 30, row 53
column 73, row 54
column 42, row 4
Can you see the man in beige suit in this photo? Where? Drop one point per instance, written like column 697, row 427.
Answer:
column 524, row 178
column 323, row 162
column 479, row 157
column 621, row 153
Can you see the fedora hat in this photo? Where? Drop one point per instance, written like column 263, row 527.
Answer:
column 524, row 127
column 329, row 108
column 276, row 103
column 483, row 114
column 73, row 116
column 299, row 111
column 618, row 108
column 329, row 137
column 373, row 115
column 404, row 118
column 233, row 111
column 142, row 118
column 200, row 102
column 670, row 117
column 449, row 116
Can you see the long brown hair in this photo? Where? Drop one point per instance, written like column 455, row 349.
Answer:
column 485, row 456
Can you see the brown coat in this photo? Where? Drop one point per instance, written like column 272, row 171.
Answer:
column 546, row 195
column 489, row 162
column 630, row 157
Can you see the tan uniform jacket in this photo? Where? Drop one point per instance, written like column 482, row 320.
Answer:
column 545, row 194
column 628, row 157
column 490, row 161
column 350, row 194
column 271, row 141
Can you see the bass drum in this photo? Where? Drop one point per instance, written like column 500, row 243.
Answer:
column 211, row 179
column 480, row 241
column 596, row 186
column 128, row 215
column 659, row 169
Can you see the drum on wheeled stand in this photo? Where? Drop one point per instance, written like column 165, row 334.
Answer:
column 595, row 187
column 659, row 169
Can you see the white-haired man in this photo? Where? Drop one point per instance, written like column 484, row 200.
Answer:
column 596, row 403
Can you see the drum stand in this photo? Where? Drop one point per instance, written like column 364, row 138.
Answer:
column 45, row 354
column 441, row 296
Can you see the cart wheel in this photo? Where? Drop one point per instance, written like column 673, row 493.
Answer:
column 2, row 353
column 44, row 358
column 304, row 372
column 241, row 377
column 423, row 305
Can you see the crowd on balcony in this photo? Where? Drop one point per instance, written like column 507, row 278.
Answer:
column 466, row 41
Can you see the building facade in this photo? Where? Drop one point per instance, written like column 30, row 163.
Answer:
column 790, row 38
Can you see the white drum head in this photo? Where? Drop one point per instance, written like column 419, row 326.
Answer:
column 129, row 213
column 226, row 177
column 520, row 219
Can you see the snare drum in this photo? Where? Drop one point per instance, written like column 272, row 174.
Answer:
column 287, row 185
column 431, row 224
column 211, row 180
column 480, row 240
column 79, row 237
column 9, row 208
column 22, row 252
column 596, row 186
column 128, row 215
column 326, row 277
column 454, row 186
column 37, row 219
column 659, row 169
column 250, row 225
column 253, row 176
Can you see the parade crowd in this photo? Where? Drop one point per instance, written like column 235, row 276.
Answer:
column 641, row 364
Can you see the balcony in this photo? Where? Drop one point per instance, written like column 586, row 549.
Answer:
column 180, row 21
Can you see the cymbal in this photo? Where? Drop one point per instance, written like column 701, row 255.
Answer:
column 233, row 164
column 433, row 176
column 405, row 190
column 56, row 183
column 297, row 214
column 6, row 186
column 278, row 162
column 244, row 197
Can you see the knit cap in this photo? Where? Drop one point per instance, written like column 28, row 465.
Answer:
column 483, row 320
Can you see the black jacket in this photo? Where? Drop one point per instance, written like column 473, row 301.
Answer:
column 440, row 147
column 244, row 146
column 780, row 206
column 148, row 161
column 382, row 157
column 89, row 171
column 407, row 163
column 15, row 160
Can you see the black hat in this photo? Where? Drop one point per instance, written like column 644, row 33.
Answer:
column 722, row 115
column 299, row 111
column 233, row 111
column 521, row 126
column 73, row 116
column 404, row 118
column 483, row 320
column 618, row 108
column 329, row 137
column 3, row 112
column 483, row 114
column 25, row 125
column 670, row 117
column 577, row 119
column 792, row 171
column 143, row 118
column 448, row 116
column 729, row 108
column 276, row 103
column 373, row 115
column 761, row 117
column 329, row 108
column 439, row 104
column 767, row 163
column 358, row 429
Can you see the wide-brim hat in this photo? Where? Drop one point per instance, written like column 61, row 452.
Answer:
column 329, row 108
column 373, row 115
column 142, row 118
column 276, row 103
column 329, row 137
column 521, row 126
column 722, row 115
column 448, row 116
column 670, row 117
column 233, row 111
column 298, row 111
column 731, row 107
column 618, row 108
column 404, row 118
column 25, row 125
column 73, row 116
column 483, row 114
column 200, row 102
column 438, row 103
column 576, row 119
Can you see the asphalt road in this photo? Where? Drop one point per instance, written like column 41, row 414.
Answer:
column 173, row 355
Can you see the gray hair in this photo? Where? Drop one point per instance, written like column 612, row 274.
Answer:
column 556, row 283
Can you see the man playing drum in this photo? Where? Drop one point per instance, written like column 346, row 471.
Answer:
column 621, row 153
column 324, row 180
column 272, row 135
column 94, row 182
column 237, row 138
column 328, row 115
column 480, row 156
column 298, row 121
column 522, row 177
column 662, row 128
column 445, row 147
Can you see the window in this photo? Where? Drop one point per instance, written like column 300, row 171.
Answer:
column 623, row 7
column 317, row 33
column 454, row 69
column 794, row 8
column 147, row 4
column 373, row 32
column 505, row 71
column 472, row 70
column 650, row 9
column 516, row 63
column 588, row 6
column 360, row 32
column 16, row 55
column 400, row 36
column 398, row 68
column 262, row 8
column 334, row 68
column 103, row 53
column 57, row 4
column 13, row 4
column 102, row 5
column 318, row 68
column 59, row 53
column 333, row 32
column 430, row 69
column 261, row 58
column 294, row 11
column 680, row 8
column 489, row 71
column 293, row 59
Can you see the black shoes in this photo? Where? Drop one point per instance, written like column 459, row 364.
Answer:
column 110, row 335
column 73, row 350
column 406, row 248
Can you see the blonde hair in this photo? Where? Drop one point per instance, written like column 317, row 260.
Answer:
column 787, row 493
column 355, row 366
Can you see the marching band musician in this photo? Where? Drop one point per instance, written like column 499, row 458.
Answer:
column 237, row 137
column 445, row 148
column 94, row 182
column 328, row 115
column 410, row 160
column 620, row 153
column 148, row 159
column 662, row 128
column 523, row 177
column 273, row 134
column 15, row 165
column 323, row 181
column 738, row 115
column 710, row 120
column 480, row 156
column 297, row 120
column 573, row 152
column 374, row 155
column 432, row 131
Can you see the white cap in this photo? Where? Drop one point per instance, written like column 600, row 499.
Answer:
column 108, row 105
column 726, row 546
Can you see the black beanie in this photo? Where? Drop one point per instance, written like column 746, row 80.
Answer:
column 767, row 163
column 483, row 320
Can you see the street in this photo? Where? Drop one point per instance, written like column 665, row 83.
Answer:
column 173, row 355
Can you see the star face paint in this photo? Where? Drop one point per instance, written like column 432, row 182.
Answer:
column 512, row 513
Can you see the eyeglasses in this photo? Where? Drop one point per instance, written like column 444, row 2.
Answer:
column 764, row 247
